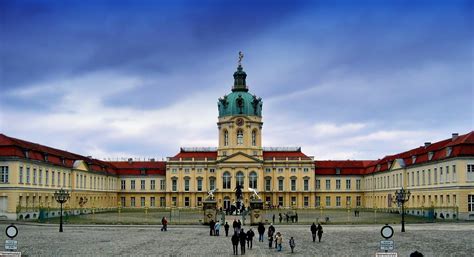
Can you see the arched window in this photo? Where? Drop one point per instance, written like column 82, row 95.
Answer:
column 240, row 137
column 226, row 180
column 239, row 178
column 226, row 138
column 253, row 180
column 254, row 138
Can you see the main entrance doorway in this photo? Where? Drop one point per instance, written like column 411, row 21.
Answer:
column 226, row 202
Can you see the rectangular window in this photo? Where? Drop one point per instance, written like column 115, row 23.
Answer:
column 212, row 183
column 280, row 201
column 358, row 184
column 268, row 184
column 123, row 184
column 64, row 179
column 338, row 201
column 455, row 177
column 318, row 184
column 358, row 201
column 40, row 176
column 293, row 185
column 186, row 201
column 3, row 174
column 152, row 201
column 174, row 170
column 132, row 184
column 52, row 177
column 348, row 201
column 34, row 176
column 142, row 184
column 338, row 184
column 163, row 201
column 429, row 177
column 306, row 201
column 417, row 177
column 28, row 175
column 328, row 184
column 199, row 185
column 470, row 203
column 152, row 184
column 280, row 184
column 59, row 178
column 212, row 170
column 162, row 184
column 328, row 201
column 318, row 201
column 305, row 170
column 306, row 184
column 348, row 184
column 186, row 185
column 470, row 172
column 448, row 178
column 441, row 177
column 142, row 201
column 132, row 201
column 280, row 170
column 174, row 185
column 174, row 201
column 293, row 170
column 435, row 176
column 413, row 178
column 199, row 201
column 122, row 201
column 293, row 200
column 46, row 178
column 268, row 170
column 186, row 171
column 423, row 177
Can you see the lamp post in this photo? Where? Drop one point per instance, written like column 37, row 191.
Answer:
column 61, row 196
column 402, row 196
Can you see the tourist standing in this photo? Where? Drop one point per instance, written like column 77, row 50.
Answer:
column 250, row 235
column 271, row 231
column 296, row 217
column 281, row 217
column 313, row 229
column 243, row 239
column 217, row 227
column 211, row 227
column 261, row 231
column 235, row 243
column 273, row 218
column 164, row 224
column 292, row 244
column 234, row 226
column 320, row 232
column 226, row 228
column 279, row 241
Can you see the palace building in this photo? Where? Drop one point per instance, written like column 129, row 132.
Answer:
column 440, row 176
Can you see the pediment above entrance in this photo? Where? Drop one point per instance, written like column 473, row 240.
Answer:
column 240, row 157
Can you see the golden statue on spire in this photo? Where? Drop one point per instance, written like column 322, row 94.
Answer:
column 241, row 56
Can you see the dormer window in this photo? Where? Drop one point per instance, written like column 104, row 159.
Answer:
column 45, row 155
column 430, row 155
column 413, row 159
column 142, row 172
column 388, row 165
column 63, row 161
column 338, row 171
column 26, row 153
column 449, row 150
column 378, row 167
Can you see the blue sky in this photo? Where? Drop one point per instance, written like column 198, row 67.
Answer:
column 343, row 80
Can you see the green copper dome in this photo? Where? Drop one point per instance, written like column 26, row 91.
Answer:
column 240, row 101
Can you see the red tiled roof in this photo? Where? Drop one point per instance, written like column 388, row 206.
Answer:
column 348, row 167
column 136, row 168
column 284, row 154
column 184, row 154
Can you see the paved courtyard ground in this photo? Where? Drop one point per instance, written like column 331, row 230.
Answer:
column 439, row 239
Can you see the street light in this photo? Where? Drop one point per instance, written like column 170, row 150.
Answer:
column 402, row 196
column 61, row 196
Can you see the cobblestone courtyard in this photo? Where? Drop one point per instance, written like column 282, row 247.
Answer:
column 455, row 239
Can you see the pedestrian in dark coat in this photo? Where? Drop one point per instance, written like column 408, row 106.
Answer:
column 239, row 224
column 261, row 231
column 211, row 226
column 243, row 238
column 314, row 229
column 281, row 217
column 320, row 232
column 296, row 217
column 226, row 228
column 250, row 235
column 234, row 226
column 271, row 232
column 273, row 218
column 235, row 243
column 287, row 217
column 292, row 244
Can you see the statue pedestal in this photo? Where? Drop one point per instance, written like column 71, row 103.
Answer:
column 209, row 208
column 256, row 213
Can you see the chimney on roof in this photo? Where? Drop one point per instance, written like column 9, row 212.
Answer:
column 130, row 160
column 454, row 136
column 152, row 159
column 427, row 144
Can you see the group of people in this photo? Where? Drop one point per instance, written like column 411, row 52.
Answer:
column 294, row 218
column 316, row 230
column 242, row 237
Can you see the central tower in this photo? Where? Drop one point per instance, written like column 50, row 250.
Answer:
column 240, row 119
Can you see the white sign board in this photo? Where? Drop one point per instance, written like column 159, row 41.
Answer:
column 11, row 244
column 10, row 254
column 386, row 254
column 386, row 245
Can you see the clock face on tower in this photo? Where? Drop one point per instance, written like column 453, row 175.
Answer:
column 239, row 122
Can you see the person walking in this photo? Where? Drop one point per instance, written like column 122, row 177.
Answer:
column 281, row 217
column 273, row 218
column 217, row 227
column 234, row 226
column 271, row 231
column 320, row 232
column 226, row 228
column 292, row 244
column 164, row 224
column 211, row 227
column 250, row 235
column 243, row 238
column 279, row 241
column 235, row 243
column 261, row 231
column 296, row 217
column 313, row 231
